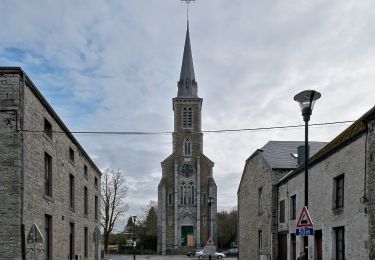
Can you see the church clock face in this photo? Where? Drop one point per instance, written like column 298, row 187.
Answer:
column 187, row 170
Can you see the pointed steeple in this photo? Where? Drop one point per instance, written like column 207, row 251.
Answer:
column 187, row 86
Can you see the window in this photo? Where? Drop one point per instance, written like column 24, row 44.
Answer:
column 71, row 154
column 85, row 171
column 47, row 174
column 96, row 207
column 191, row 194
column 339, row 234
column 187, row 117
column 187, row 146
column 47, row 237
column 204, row 220
column 260, row 200
column 71, row 191
column 293, row 200
column 71, row 242
column 85, row 202
column 170, row 199
column 86, row 252
column 183, row 194
column 96, row 182
column 47, row 128
column 260, row 240
column 338, row 192
column 282, row 211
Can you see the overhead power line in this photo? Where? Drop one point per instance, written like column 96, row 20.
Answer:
column 255, row 129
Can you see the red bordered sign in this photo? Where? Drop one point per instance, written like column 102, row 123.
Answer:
column 304, row 220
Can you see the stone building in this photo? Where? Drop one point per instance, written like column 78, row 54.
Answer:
column 257, row 197
column 186, row 218
column 46, row 178
column 341, row 198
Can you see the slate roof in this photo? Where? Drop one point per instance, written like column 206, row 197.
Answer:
column 279, row 154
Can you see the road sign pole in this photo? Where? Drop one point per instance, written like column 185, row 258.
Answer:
column 34, row 253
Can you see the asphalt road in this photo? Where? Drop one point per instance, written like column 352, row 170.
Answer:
column 152, row 257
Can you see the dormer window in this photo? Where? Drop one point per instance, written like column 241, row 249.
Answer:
column 187, row 146
column 187, row 117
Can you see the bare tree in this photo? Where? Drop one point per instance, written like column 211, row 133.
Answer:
column 114, row 191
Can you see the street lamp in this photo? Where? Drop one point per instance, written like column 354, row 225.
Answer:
column 306, row 100
column 134, row 218
column 211, row 200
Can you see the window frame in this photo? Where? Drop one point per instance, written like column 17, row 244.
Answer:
column 293, row 207
column 47, row 174
column 48, row 128
column 71, row 155
column 339, row 192
column 260, row 240
column 282, row 211
column 71, row 192
column 339, row 254
column 187, row 117
column 260, row 200
column 85, row 201
column 48, row 237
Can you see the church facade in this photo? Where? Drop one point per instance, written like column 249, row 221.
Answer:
column 187, row 192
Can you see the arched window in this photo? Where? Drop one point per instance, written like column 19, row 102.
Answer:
column 192, row 194
column 187, row 146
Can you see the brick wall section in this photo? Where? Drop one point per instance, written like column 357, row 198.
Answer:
column 10, row 166
column 370, row 167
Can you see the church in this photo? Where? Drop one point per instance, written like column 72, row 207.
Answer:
column 187, row 192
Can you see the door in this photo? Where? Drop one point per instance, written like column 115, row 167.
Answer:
column 71, row 242
column 318, row 245
column 187, row 236
column 293, row 247
column 283, row 247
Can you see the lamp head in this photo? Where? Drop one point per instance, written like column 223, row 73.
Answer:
column 306, row 100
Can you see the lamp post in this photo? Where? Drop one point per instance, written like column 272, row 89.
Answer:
column 306, row 100
column 134, row 218
column 211, row 200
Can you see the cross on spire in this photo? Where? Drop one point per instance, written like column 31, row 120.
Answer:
column 187, row 8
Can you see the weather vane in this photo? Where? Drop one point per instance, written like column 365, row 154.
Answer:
column 187, row 7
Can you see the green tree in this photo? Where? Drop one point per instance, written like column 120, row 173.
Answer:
column 226, row 228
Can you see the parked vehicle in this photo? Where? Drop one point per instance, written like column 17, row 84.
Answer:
column 207, row 251
column 193, row 253
column 231, row 252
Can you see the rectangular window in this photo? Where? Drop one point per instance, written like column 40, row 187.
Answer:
column 71, row 242
column 338, row 187
column 47, row 128
column 86, row 234
column 170, row 199
column 282, row 211
column 71, row 154
column 96, row 182
column 96, row 207
column 85, row 171
column 71, row 191
column 339, row 234
column 85, row 202
column 47, row 174
column 260, row 200
column 47, row 237
column 260, row 240
column 293, row 201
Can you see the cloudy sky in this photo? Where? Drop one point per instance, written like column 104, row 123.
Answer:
column 113, row 65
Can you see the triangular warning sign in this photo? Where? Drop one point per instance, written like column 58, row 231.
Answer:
column 304, row 219
column 34, row 235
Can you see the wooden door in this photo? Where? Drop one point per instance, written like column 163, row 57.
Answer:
column 318, row 245
column 283, row 247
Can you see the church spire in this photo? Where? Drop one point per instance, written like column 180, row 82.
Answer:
column 187, row 86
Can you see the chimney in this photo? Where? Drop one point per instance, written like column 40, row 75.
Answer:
column 301, row 154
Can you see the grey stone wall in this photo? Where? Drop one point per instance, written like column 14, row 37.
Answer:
column 22, row 174
column 370, row 193
column 10, row 166
column 36, row 204
column 350, row 161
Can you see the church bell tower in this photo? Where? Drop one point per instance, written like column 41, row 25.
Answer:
column 185, row 216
